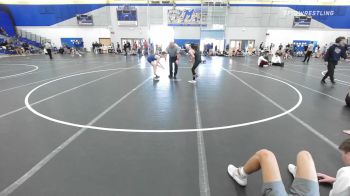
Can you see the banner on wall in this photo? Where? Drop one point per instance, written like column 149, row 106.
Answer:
column 84, row 19
column 182, row 42
column 300, row 44
column 184, row 17
column 332, row 16
column 302, row 21
column 73, row 42
column 127, row 15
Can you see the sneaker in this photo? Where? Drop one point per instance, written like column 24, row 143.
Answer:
column 170, row 77
column 323, row 82
column 292, row 169
column 192, row 81
column 234, row 173
column 333, row 82
column 174, row 77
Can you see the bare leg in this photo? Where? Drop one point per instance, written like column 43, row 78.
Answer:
column 154, row 65
column 266, row 161
column 306, row 166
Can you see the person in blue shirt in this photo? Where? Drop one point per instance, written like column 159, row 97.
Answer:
column 332, row 56
column 154, row 61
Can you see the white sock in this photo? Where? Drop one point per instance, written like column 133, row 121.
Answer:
column 242, row 172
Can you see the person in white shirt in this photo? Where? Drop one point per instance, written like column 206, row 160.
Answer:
column 276, row 60
column 48, row 47
column 263, row 60
column 304, row 184
column 310, row 49
column 341, row 183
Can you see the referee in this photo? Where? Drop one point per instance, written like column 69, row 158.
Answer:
column 174, row 56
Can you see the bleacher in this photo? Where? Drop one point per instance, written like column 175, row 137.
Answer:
column 30, row 42
column 19, row 40
column 2, row 40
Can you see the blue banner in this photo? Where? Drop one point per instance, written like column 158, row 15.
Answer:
column 73, row 42
column 184, row 17
column 182, row 42
column 337, row 17
column 299, row 46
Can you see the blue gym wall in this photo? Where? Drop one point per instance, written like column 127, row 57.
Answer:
column 46, row 15
column 183, row 42
column 6, row 21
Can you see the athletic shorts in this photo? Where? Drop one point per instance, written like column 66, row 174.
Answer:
column 300, row 187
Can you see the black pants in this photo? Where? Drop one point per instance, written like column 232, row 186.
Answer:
column 278, row 64
column 262, row 63
column 194, row 67
column 331, row 66
column 307, row 56
column 171, row 61
column 49, row 53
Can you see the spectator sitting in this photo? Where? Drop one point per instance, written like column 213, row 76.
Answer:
column 26, row 47
column 276, row 60
column 253, row 52
column 225, row 53
column 61, row 50
column 341, row 183
column 219, row 53
column 263, row 61
column 305, row 182
column 3, row 32
column 279, row 52
column 238, row 52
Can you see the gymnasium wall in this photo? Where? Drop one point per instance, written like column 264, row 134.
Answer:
column 274, row 25
column 6, row 21
column 89, row 34
column 321, row 36
column 244, row 21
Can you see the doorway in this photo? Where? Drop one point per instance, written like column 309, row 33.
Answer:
column 212, row 41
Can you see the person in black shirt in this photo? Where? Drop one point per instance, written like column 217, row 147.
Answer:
column 332, row 56
column 126, row 49
column 347, row 99
column 195, row 58
column 118, row 48
column 128, row 46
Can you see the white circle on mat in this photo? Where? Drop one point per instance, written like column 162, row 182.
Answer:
column 23, row 73
column 300, row 98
